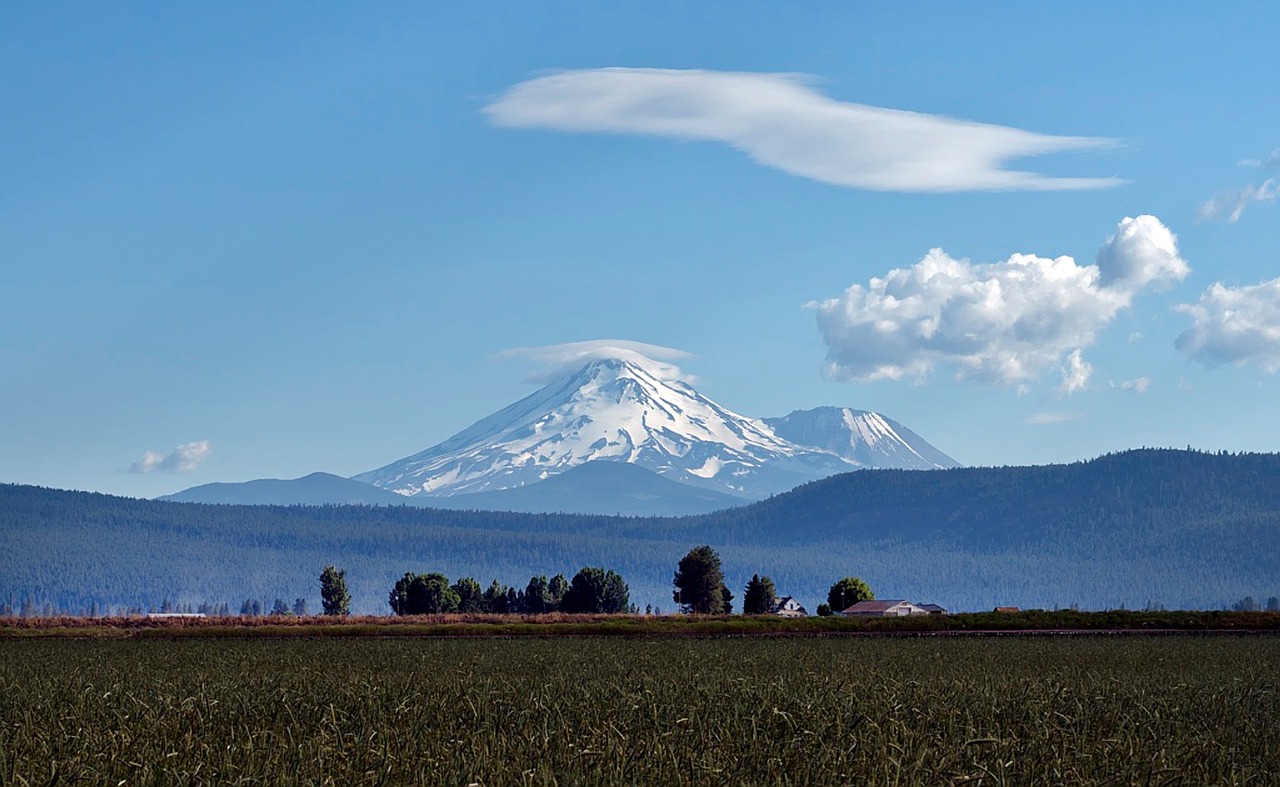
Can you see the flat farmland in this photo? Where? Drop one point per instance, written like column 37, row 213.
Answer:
column 1177, row 709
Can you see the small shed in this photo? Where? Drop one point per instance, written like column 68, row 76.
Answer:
column 1006, row 609
column 933, row 609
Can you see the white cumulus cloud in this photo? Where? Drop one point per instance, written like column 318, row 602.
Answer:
column 182, row 459
column 1142, row 252
column 1005, row 323
column 553, row 360
column 1234, row 325
column 781, row 121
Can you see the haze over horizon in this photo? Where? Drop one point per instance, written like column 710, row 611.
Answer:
column 250, row 243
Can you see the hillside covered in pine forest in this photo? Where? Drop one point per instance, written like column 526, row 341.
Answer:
column 1180, row 529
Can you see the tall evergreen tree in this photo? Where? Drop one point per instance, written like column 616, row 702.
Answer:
column 398, row 599
column 495, row 598
column 470, row 595
column 699, row 583
column 333, row 591
column 556, row 589
column 760, row 596
column 537, row 596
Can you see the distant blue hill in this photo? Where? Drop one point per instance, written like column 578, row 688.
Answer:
column 317, row 489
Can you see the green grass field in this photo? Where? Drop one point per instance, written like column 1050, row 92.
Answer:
column 1179, row 709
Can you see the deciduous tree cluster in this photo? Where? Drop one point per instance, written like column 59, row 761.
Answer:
column 591, row 590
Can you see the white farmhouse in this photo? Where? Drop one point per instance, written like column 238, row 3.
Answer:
column 788, row 607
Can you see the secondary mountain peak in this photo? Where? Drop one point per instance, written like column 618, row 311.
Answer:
column 866, row 438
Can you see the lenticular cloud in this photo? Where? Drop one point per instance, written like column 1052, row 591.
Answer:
column 782, row 122
column 1004, row 323
column 551, row 361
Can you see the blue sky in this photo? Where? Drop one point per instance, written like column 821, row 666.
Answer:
column 295, row 241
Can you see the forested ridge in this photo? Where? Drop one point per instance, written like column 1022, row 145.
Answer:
column 1177, row 528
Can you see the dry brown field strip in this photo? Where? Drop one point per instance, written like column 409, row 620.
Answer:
column 1030, row 622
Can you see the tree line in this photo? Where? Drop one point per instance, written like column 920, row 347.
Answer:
column 592, row 590
column 699, row 584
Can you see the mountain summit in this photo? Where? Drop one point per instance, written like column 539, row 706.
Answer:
column 626, row 410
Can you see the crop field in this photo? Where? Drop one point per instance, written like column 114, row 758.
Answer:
column 1179, row 709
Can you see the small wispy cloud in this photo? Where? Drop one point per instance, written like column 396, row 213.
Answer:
column 1230, row 205
column 1136, row 385
column 182, row 459
column 1041, row 419
column 1270, row 162
column 781, row 121
column 554, row 360
column 1076, row 373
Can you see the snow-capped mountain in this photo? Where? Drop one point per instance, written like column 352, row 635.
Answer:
column 615, row 421
column 616, row 409
column 860, row 436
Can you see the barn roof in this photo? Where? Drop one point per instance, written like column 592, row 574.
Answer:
column 876, row 606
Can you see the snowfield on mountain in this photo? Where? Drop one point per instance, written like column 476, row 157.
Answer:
column 628, row 410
